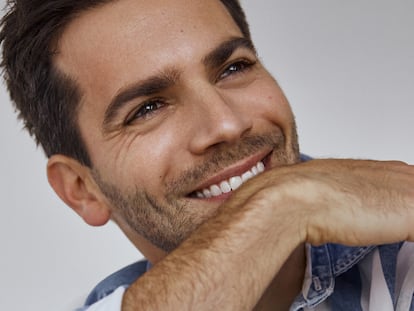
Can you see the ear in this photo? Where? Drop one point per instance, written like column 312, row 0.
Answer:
column 74, row 184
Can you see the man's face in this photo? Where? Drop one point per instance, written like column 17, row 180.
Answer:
column 176, row 110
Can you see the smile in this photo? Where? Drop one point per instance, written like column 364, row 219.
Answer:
column 230, row 184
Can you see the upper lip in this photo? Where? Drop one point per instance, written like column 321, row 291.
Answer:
column 236, row 169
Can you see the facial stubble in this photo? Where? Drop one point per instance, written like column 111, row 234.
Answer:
column 166, row 222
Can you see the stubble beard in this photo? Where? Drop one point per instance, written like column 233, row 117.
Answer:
column 168, row 221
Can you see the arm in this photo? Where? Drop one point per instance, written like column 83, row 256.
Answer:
column 339, row 201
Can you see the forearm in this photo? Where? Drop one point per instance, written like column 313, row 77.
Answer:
column 231, row 259
column 226, row 264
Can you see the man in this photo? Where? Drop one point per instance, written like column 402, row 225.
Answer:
column 155, row 117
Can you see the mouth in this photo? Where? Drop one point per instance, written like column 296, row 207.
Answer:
column 225, row 185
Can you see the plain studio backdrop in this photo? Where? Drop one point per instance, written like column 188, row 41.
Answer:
column 347, row 68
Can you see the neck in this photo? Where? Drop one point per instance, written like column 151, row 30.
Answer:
column 146, row 248
column 286, row 285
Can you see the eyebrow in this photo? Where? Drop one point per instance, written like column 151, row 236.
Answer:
column 223, row 52
column 147, row 87
column 164, row 80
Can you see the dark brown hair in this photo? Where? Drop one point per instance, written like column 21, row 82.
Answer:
column 44, row 97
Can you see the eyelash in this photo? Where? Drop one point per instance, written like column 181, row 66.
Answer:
column 145, row 110
column 236, row 68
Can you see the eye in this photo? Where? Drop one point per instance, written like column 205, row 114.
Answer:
column 146, row 110
column 236, row 68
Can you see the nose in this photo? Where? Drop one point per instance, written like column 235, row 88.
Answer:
column 217, row 119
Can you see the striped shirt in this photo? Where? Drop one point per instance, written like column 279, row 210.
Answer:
column 374, row 278
column 358, row 278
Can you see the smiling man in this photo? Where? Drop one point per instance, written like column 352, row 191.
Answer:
column 158, row 115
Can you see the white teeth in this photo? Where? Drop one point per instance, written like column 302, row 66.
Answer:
column 255, row 171
column 207, row 193
column 260, row 167
column 235, row 182
column 215, row 190
column 246, row 176
column 232, row 184
column 225, row 187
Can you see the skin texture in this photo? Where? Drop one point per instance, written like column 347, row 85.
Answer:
column 210, row 120
column 207, row 119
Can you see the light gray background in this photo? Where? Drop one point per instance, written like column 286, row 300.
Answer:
column 347, row 68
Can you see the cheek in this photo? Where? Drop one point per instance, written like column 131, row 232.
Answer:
column 271, row 104
column 280, row 109
column 146, row 162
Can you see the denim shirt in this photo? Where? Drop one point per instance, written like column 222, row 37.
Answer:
column 324, row 264
column 336, row 278
column 333, row 280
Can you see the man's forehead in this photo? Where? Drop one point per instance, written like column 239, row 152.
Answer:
column 126, row 38
column 106, row 32
column 143, row 16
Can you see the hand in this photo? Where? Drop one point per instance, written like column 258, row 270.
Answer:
column 351, row 202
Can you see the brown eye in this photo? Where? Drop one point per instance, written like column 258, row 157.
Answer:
column 236, row 68
column 146, row 110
